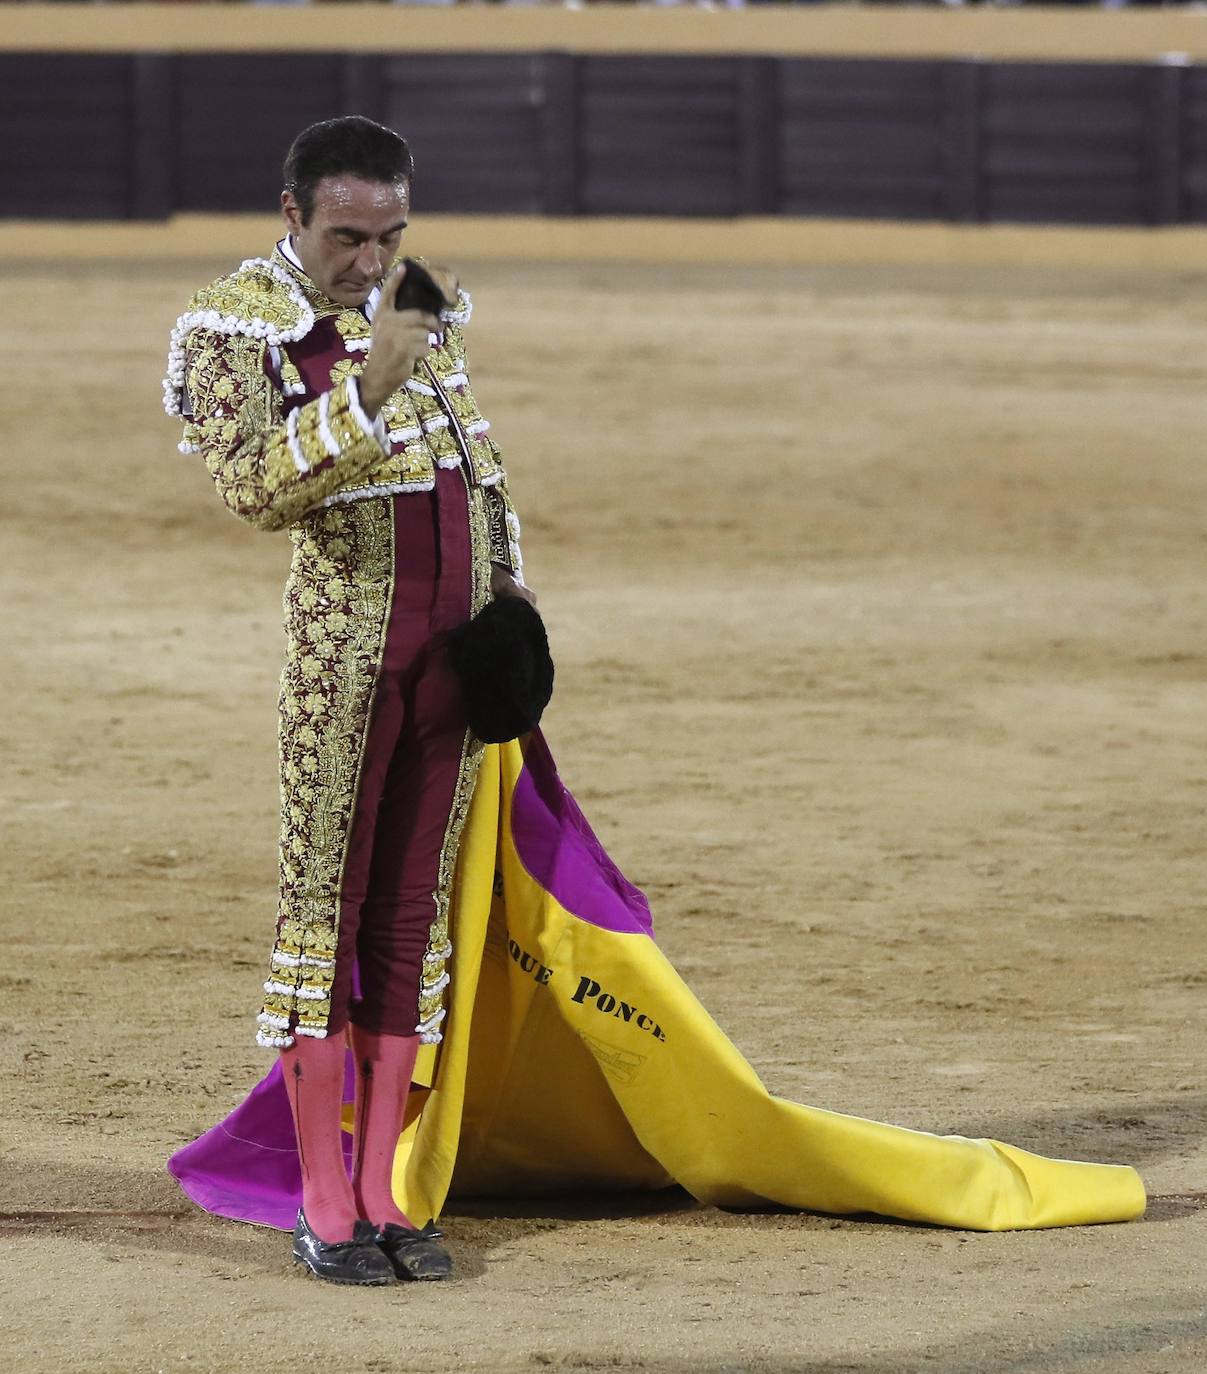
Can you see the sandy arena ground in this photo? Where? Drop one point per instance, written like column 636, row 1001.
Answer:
column 878, row 599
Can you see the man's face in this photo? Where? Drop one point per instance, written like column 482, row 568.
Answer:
column 352, row 236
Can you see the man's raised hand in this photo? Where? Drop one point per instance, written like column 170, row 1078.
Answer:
column 400, row 339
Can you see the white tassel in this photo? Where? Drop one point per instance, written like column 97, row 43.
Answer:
column 513, row 546
column 304, row 994
column 295, row 960
column 460, row 313
column 430, row 1024
column 295, row 448
column 384, row 489
column 329, row 440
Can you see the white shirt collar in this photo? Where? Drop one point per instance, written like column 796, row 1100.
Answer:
column 289, row 254
column 286, row 247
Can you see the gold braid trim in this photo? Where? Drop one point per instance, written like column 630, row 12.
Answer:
column 479, row 544
column 439, row 948
column 450, row 361
column 434, row 979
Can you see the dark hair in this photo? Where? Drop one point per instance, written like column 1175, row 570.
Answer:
column 351, row 145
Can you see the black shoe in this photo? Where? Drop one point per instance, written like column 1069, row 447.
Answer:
column 345, row 1261
column 414, row 1253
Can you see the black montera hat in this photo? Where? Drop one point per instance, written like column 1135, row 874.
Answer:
column 502, row 658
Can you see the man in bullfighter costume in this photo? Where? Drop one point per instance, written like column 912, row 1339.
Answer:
column 322, row 410
column 573, row 1056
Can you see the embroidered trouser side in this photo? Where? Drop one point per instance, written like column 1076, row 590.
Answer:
column 411, row 772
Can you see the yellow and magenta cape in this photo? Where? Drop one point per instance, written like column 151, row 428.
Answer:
column 576, row 1059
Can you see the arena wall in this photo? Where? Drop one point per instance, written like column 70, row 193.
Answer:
column 527, row 123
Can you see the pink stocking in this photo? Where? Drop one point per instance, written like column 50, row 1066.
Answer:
column 314, row 1080
column 383, row 1078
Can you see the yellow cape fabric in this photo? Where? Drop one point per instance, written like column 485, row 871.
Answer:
column 533, row 1092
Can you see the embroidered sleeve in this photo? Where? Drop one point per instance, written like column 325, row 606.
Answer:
column 270, row 472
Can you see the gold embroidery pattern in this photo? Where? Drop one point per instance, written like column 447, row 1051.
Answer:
column 343, row 426
column 253, row 294
column 268, row 473
column 346, row 367
column 399, row 413
column 337, row 607
column 411, row 465
column 260, row 301
column 413, row 460
column 352, row 326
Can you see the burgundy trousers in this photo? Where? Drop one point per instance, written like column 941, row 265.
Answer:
column 409, row 769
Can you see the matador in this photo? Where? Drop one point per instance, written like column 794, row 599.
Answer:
column 320, row 409
column 574, row 1056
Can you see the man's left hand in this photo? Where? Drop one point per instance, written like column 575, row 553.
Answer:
column 503, row 583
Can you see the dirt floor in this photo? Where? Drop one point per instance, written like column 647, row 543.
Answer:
column 879, row 601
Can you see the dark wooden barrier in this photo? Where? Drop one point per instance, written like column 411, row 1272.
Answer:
column 141, row 136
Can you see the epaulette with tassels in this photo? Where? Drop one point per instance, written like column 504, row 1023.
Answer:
column 260, row 301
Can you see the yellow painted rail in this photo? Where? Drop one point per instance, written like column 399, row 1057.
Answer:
column 830, row 30
column 465, row 238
